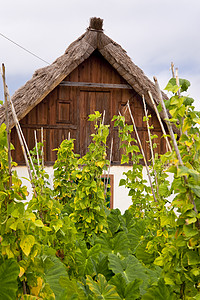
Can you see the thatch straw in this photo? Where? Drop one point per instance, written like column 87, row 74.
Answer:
column 46, row 79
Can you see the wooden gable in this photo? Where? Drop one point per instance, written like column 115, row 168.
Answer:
column 93, row 85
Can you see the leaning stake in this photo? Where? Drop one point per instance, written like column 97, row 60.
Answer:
column 21, row 140
column 7, row 125
column 142, row 151
column 36, row 147
column 161, row 123
column 167, row 121
column 108, row 174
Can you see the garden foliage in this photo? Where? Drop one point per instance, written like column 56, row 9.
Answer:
column 66, row 244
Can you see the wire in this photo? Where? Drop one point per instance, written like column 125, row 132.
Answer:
column 24, row 49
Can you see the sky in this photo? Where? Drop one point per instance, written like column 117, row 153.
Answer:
column 153, row 32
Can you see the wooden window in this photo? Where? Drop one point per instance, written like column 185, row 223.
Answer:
column 64, row 111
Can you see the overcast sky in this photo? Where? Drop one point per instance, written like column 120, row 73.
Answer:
column 153, row 32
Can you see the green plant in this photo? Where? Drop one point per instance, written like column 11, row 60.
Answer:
column 66, row 244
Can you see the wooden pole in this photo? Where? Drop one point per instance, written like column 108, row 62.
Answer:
column 42, row 141
column 23, row 150
column 150, row 143
column 21, row 140
column 26, row 148
column 111, row 150
column 36, row 147
column 179, row 95
column 20, row 133
column 142, row 151
column 103, row 119
column 177, row 82
column 7, row 125
column 169, row 148
column 168, row 122
column 172, row 68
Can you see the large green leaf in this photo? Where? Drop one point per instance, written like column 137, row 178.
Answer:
column 9, row 271
column 184, row 84
column 73, row 290
column 127, row 291
column 101, row 266
column 53, row 270
column 26, row 243
column 117, row 244
column 172, row 86
column 135, row 232
column 120, row 283
column 113, row 220
column 129, row 221
column 102, row 289
column 159, row 292
column 132, row 291
column 130, row 268
column 85, row 259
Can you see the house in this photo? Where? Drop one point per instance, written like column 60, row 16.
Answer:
column 94, row 73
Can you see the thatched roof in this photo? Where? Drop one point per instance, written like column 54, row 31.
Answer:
column 46, row 79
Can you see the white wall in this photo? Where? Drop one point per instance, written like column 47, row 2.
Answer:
column 121, row 199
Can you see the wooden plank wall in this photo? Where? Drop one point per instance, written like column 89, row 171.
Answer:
column 66, row 109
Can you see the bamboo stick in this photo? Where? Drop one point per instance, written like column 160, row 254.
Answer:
column 142, row 151
column 168, row 122
column 42, row 141
column 26, row 147
column 22, row 135
column 111, row 150
column 150, row 144
column 36, row 147
column 103, row 119
column 22, row 144
column 7, row 125
column 169, row 148
column 179, row 95
column 104, row 177
column 177, row 82
column 172, row 68
column 21, row 141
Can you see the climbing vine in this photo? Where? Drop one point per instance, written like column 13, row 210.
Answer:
column 66, row 244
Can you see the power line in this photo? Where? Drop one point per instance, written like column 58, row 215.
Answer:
column 24, row 49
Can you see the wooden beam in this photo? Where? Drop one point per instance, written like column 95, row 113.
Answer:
column 58, row 126
column 96, row 85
